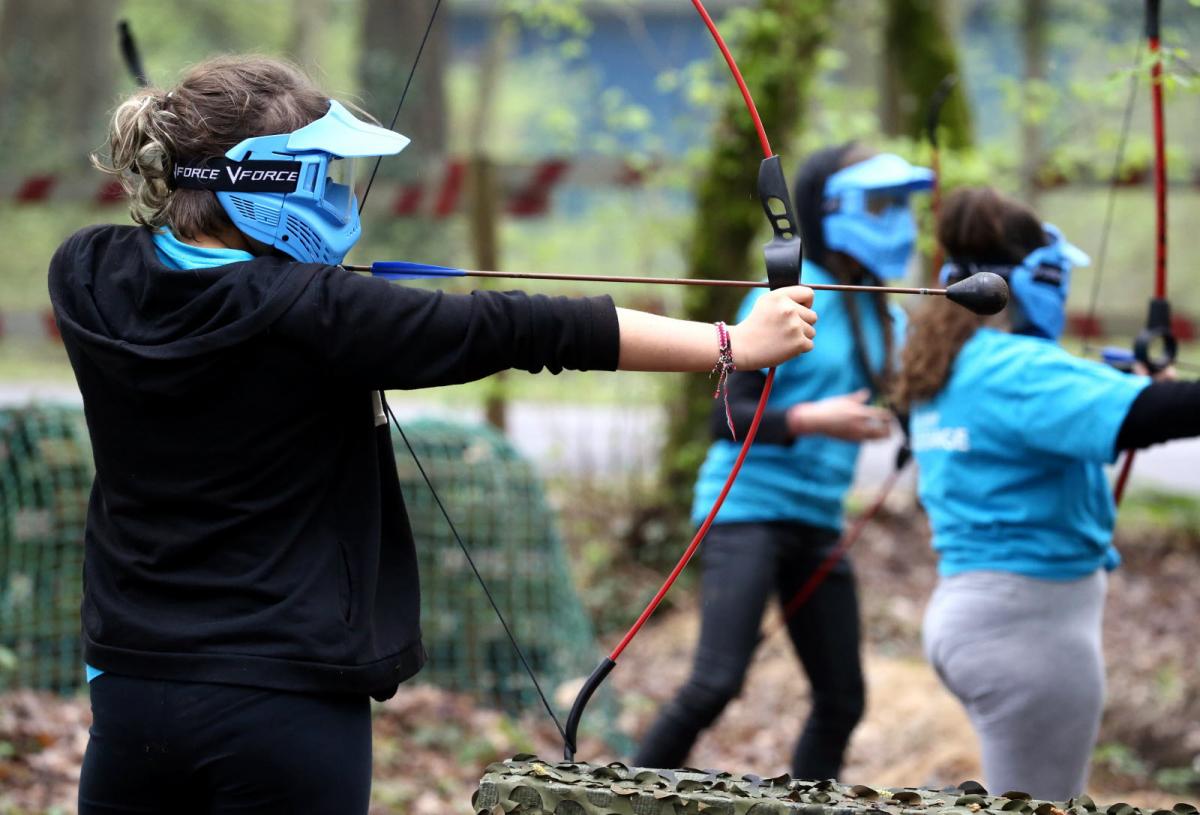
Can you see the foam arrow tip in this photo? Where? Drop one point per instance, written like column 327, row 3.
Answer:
column 983, row 293
column 407, row 270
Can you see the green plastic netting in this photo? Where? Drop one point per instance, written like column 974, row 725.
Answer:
column 498, row 506
column 491, row 493
column 45, row 477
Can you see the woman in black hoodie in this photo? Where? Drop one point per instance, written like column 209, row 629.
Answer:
column 250, row 578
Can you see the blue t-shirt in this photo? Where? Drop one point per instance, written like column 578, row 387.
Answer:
column 806, row 480
column 179, row 255
column 1011, row 455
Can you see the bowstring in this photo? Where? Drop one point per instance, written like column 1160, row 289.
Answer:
column 403, row 95
column 1110, row 205
column 412, row 452
column 478, row 576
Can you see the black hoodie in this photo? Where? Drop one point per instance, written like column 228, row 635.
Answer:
column 246, row 524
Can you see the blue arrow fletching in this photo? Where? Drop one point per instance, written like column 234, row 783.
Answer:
column 407, row 270
column 1115, row 356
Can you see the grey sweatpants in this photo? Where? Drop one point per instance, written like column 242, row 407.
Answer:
column 1024, row 657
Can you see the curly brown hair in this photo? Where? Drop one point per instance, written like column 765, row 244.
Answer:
column 217, row 104
column 977, row 225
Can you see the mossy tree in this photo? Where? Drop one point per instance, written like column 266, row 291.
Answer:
column 776, row 47
column 918, row 53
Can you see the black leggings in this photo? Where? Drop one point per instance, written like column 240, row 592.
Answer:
column 744, row 563
column 191, row 747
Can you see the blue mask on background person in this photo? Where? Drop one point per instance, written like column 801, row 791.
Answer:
column 1039, row 284
column 295, row 191
column 868, row 216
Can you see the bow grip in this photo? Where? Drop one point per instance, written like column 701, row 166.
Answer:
column 593, row 682
column 784, row 252
column 1155, row 345
column 1153, row 19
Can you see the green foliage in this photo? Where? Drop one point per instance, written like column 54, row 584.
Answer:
column 550, row 18
column 620, row 547
column 572, row 111
column 1157, row 509
column 263, row 26
column 1120, row 759
column 37, row 230
column 1179, row 780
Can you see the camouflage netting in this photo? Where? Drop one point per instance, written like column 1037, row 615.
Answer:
column 45, row 478
column 492, row 494
column 525, row 785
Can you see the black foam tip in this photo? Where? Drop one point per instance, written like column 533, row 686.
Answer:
column 983, row 293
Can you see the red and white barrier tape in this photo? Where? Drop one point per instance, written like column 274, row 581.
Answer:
column 525, row 189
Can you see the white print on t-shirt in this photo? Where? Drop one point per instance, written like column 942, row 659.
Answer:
column 929, row 435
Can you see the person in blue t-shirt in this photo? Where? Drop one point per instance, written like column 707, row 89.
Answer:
column 784, row 513
column 1011, row 434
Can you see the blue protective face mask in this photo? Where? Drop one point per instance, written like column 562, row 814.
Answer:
column 294, row 191
column 1039, row 284
column 869, row 217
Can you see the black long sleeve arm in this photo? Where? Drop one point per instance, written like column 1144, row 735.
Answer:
column 388, row 336
column 1162, row 412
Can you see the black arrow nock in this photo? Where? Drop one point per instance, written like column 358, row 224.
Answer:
column 131, row 54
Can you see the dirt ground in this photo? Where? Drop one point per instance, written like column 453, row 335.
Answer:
column 431, row 746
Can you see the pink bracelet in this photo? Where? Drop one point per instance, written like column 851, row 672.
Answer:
column 723, row 368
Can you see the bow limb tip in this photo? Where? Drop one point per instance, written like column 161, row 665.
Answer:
column 984, row 293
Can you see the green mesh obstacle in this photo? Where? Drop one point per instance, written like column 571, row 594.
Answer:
column 45, row 479
column 492, row 494
column 498, row 506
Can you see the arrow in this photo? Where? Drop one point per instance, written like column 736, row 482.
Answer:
column 983, row 293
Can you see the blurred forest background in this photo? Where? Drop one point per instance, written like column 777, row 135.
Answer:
column 604, row 136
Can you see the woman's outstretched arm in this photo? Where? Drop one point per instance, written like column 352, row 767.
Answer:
column 778, row 328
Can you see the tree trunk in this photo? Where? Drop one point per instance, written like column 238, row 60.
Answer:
column 777, row 53
column 483, row 194
column 391, row 35
column 918, row 53
column 310, row 20
column 57, row 74
column 1033, row 42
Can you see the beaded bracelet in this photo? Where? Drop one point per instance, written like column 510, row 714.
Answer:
column 723, row 368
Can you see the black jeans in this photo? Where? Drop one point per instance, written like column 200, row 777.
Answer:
column 191, row 747
column 744, row 564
